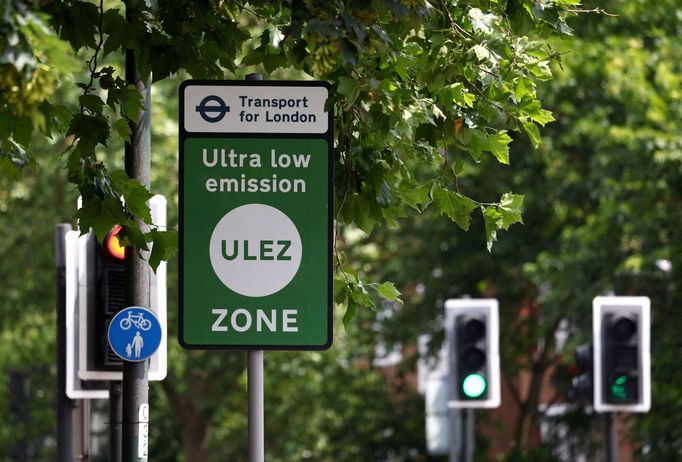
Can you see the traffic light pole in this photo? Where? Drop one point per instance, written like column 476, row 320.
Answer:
column 467, row 435
column 115, row 421
column 610, row 437
column 137, row 166
column 455, row 432
column 65, row 406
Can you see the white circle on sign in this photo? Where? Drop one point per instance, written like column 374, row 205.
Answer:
column 255, row 250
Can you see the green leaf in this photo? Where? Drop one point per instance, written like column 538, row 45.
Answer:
column 388, row 291
column 164, row 246
column 475, row 141
column 123, row 129
column 482, row 22
column 533, row 133
column 135, row 195
column 510, row 209
column 455, row 206
column 14, row 159
column 132, row 235
column 100, row 215
column 533, row 109
column 351, row 311
column 414, row 197
column 349, row 88
column 501, row 216
column 90, row 130
column 117, row 29
column 491, row 217
column 9, row 169
column 541, row 70
column 131, row 102
column 62, row 116
column 23, row 128
column 524, row 88
column 357, row 209
column 498, row 145
column 6, row 121
column 358, row 292
column 75, row 22
column 92, row 103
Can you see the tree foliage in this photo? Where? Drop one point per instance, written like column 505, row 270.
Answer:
column 427, row 97
column 422, row 91
column 601, row 207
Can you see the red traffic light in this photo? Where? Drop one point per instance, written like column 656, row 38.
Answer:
column 113, row 244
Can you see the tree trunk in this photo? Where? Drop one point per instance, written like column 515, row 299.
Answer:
column 193, row 424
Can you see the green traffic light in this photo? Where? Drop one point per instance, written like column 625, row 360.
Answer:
column 474, row 385
column 618, row 388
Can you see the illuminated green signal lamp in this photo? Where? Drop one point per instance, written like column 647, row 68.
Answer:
column 474, row 386
column 623, row 388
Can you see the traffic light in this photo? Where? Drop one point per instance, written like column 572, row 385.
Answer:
column 582, row 384
column 100, row 295
column 622, row 354
column 473, row 338
column 109, row 295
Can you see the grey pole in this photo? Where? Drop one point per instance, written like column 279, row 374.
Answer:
column 468, row 435
column 610, row 437
column 115, row 421
column 256, row 407
column 65, row 405
column 455, row 434
column 137, row 165
column 256, row 398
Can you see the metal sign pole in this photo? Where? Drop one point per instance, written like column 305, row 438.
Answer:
column 256, row 407
column 256, row 394
column 137, row 278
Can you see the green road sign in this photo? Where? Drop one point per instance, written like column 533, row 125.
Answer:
column 255, row 215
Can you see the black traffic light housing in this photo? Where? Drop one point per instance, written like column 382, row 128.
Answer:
column 109, row 295
column 622, row 354
column 622, row 372
column 472, row 375
column 582, row 385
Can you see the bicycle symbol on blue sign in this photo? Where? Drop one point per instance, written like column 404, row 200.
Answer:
column 136, row 320
column 134, row 333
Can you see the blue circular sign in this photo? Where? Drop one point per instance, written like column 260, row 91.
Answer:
column 134, row 333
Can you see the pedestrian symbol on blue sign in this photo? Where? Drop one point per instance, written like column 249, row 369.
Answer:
column 134, row 333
